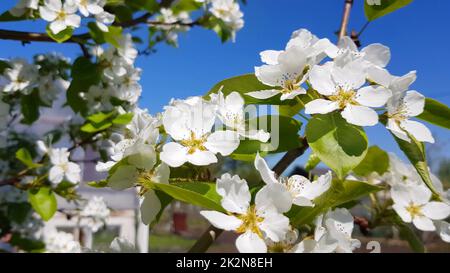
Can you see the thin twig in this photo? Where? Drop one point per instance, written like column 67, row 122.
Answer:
column 345, row 18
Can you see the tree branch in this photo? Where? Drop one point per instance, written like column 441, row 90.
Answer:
column 345, row 19
column 212, row 233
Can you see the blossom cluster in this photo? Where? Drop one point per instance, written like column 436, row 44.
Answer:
column 263, row 227
column 96, row 212
column 119, row 79
column 62, row 15
column 355, row 83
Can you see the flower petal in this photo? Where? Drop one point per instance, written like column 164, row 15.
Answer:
column 270, row 56
column 360, row 115
column 150, row 207
column 320, row 78
column 417, row 130
column 202, row 158
column 250, row 242
column 377, row 54
column 321, row 106
column 373, row 97
column 436, row 210
column 423, row 223
column 275, row 225
column 414, row 103
column 263, row 94
column 274, row 195
column 223, row 142
column 235, row 193
column 174, row 154
column 221, row 220
column 267, row 175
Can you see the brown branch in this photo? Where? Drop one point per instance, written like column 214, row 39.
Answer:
column 36, row 37
column 212, row 233
column 345, row 19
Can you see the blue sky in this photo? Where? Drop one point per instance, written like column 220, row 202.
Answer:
column 417, row 35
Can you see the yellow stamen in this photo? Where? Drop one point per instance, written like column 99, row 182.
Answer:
column 250, row 222
column 194, row 143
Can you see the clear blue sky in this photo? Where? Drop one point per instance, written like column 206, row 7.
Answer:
column 418, row 36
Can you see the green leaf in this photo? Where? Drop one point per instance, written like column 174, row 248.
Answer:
column 95, row 127
column 436, row 113
column 43, row 201
column 165, row 200
column 123, row 119
column 186, row 5
column 100, row 117
column 338, row 144
column 3, row 65
column 98, row 184
column 408, row 234
column 27, row 244
column 284, row 137
column 18, row 212
column 62, row 36
column 415, row 152
column 30, row 107
column 148, row 5
column 84, row 74
column 376, row 160
column 8, row 17
column 340, row 192
column 375, row 11
column 197, row 193
column 244, row 84
column 25, row 157
column 112, row 37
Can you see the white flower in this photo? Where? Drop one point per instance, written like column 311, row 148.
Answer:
column 126, row 49
column 400, row 110
column 315, row 49
column 321, row 242
column 287, row 245
column 128, row 175
column 412, row 203
column 189, row 123
column 339, row 226
column 401, row 173
column 103, row 19
column 60, row 15
column 62, row 168
column 61, row 242
column 374, row 56
column 231, row 113
column 50, row 89
column 150, row 203
column 443, row 229
column 23, row 6
column 302, row 191
column 122, row 245
column 342, row 88
column 286, row 75
column 128, row 87
column 255, row 222
column 98, row 98
column 96, row 211
column 229, row 12
column 87, row 7
column 20, row 77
